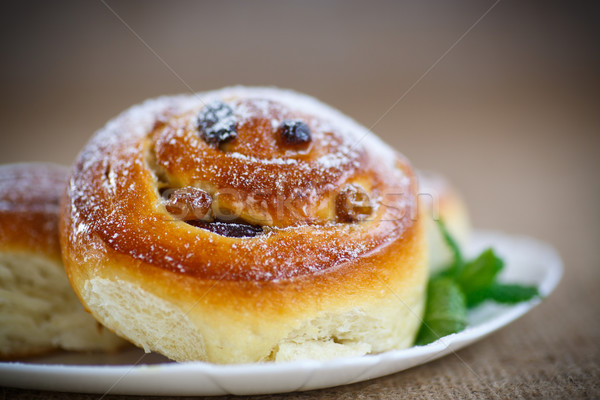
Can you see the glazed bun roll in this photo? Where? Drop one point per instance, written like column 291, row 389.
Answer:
column 245, row 225
column 442, row 201
column 38, row 310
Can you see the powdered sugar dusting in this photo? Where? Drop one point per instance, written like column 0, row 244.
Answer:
column 114, row 200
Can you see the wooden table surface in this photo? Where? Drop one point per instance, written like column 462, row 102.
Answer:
column 501, row 97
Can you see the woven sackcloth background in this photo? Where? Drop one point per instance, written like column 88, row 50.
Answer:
column 500, row 96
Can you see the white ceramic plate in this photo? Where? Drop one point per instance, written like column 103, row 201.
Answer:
column 131, row 372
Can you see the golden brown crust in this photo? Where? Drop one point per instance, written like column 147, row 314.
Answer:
column 29, row 201
column 115, row 225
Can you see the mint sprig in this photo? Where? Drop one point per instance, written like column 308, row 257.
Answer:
column 478, row 276
column 511, row 293
column 464, row 285
column 445, row 313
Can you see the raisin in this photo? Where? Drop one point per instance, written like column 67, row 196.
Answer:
column 353, row 204
column 229, row 229
column 216, row 123
column 295, row 132
column 188, row 203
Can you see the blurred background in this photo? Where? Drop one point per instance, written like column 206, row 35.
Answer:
column 501, row 97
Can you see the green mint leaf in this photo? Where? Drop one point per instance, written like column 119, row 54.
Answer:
column 512, row 293
column 477, row 297
column 445, row 311
column 476, row 277
column 502, row 293
column 465, row 285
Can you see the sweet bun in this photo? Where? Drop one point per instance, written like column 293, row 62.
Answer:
column 245, row 225
column 442, row 201
column 38, row 310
